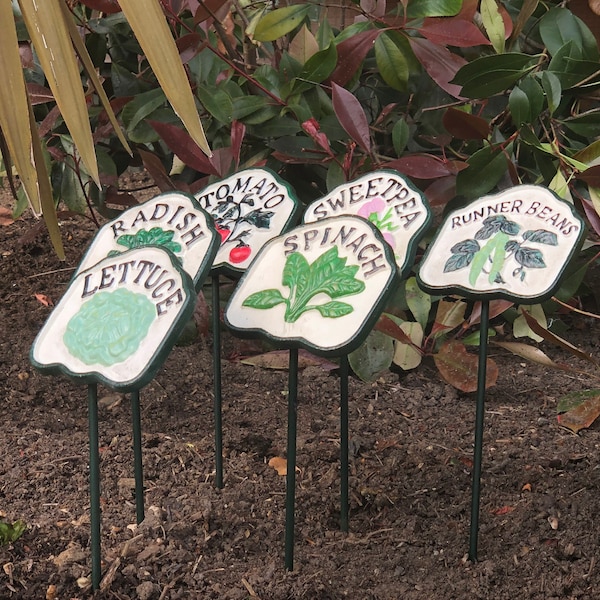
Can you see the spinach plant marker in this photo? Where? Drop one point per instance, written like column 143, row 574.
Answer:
column 320, row 286
column 174, row 221
column 249, row 208
column 115, row 325
column 513, row 245
column 402, row 215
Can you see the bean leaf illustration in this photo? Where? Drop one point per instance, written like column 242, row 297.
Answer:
column 328, row 274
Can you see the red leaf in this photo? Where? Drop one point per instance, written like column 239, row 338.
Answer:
column 591, row 176
column 189, row 46
column 39, row 94
column 184, row 147
column 582, row 416
column 105, row 6
column 351, row 116
column 157, row 171
column 441, row 191
column 453, row 32
column 503, row 510
column 389, row 327
column 422, row 166
column 591, row 214
column 440, row 64
column 464, row 126
column 312, row 128
column 6, row 216
column 351, row 53
column 43, row 299
column 460, row 369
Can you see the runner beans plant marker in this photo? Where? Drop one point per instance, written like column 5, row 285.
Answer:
column 514, row 245
column 249, row 208
column 320, row 286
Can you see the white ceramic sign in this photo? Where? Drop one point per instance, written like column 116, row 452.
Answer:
column 321, row 285
column 117, row 320
column 386, row 199
column 515, row 245
column 249, row 208
column 173, row 220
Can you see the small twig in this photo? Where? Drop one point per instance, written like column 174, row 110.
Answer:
column 249, row 588
column 64, row 270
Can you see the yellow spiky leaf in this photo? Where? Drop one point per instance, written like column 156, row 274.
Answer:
column 14, row 118
column 150, row 27
column 50, row 36
column 85, row 59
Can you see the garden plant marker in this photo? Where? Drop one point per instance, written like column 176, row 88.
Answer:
column 115, row 325
column 248, row 208
column 402, row 215
column 320, row 286
column 173, row 221
column 387, row 200
column 514, row 245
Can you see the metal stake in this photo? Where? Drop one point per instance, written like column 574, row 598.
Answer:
column 94, row 484
column 344, row 503
column 477, row 453
column 137, row 455
column 290, row 495
column 216, row 325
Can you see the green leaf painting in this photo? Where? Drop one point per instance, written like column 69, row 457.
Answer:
column 490, row 258
column 152, row 237
column 328, row 274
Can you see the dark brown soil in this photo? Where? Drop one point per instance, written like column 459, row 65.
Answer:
column 410, row 473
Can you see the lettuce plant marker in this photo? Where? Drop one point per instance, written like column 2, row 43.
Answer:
column 513, row 245
column 249, row 208
column 115, row 325
column 173, row 221
column 320, row 286
column 385, row 198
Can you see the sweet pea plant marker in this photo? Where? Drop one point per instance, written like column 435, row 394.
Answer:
column 249, row 208
column 386, row 199
column 320, row 286
column 514, row 245
column 115, row 325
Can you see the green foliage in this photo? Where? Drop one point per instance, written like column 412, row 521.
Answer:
column 11, row 532
column 465, row 98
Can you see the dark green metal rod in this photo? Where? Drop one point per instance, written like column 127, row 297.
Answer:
column 216, row 326
column 290, row 494
column 94, row 485
column 344, row 503
column 138, row 468
column 477, row 453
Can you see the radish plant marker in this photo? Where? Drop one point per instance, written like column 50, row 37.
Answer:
column 249, row 208
column 173, row 220
column 115, row 325
column 402, row 215
column 513, row 245
column 320, row 286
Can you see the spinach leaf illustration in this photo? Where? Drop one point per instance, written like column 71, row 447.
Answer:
column 328, row 274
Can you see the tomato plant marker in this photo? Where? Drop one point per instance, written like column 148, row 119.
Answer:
column 115, row 325
column 249, row 208
column 514, row 245
column 320, row 286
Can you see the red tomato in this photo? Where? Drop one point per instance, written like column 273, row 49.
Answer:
column 239, row 254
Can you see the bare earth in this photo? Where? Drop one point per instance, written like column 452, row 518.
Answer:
column 410, row 473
